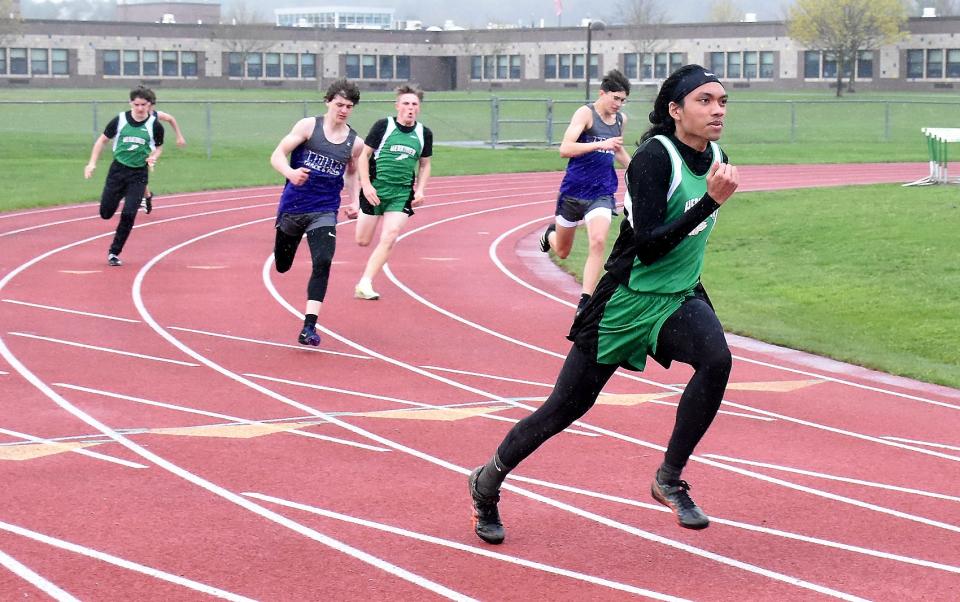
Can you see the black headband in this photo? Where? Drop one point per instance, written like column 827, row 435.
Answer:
column 691, row 81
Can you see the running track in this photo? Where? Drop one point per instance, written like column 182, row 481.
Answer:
column 164, row 438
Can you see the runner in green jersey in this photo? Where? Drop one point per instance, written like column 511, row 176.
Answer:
column 137, row 143
column 650, row 301
column 394, row 169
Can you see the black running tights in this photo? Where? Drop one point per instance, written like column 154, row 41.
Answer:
column 692, row 335
column 323, row 244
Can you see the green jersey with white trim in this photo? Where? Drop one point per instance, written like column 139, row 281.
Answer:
column 396, row 160
column 679, row 270
column 134, row 143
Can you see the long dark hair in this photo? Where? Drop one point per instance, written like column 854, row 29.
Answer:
column 660, row 119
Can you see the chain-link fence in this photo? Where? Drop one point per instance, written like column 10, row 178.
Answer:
column 222, row 127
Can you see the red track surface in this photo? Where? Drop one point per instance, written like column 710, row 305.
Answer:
column 359, row 489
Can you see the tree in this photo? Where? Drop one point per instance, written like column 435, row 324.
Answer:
column 842, row 28
column 10, row 23
column 241, row 34
column 725, row 11
column 644, row 17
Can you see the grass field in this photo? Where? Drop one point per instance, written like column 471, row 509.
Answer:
column 866, row 275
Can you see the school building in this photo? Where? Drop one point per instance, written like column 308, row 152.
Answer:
column 757, row 55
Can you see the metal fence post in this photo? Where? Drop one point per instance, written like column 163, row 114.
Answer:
column 549, row 121
column 209, row 131
column 494, row 121
column 793, row 121
column 305, row 109
column 886, row 121
column 96, row 128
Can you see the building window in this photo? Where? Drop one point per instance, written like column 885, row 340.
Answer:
column 372, row 66
column 766, row 64
column 733, row 65
column 151, row 62
column 290, row 66
column 131, row 62
column 934, row 63
column 308, row 66
column 39, row 61
column 111, row 62
column 745, row 64
column 631, row 65
column 188, row 64
column 569, row 66
column 953, row 62
column 368, row 67
column 254, row 65
column 3, row 61
column 272, row 64
column 718, row 64
column 823, row 65
column 353, row 66
column 496, row 66
column 169, row 64
column 403, row 67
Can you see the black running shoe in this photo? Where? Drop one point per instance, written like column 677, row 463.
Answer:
column 486, row 517
column 113, row 260
column 673, row 495
column 309, row 336
column 147, row 203
column 545, row 238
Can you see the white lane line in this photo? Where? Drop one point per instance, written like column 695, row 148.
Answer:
column 848, row 383
column 927, row 443
column 326, row 540
column 220, row 335
column 169, row 466
column 416, row 404
column 454, row 545
column 493, row 256
column 640, row 442
column 748, row 526
column 603, row 520
column 78, row 450
column 506, row 271
column 105, row 349
column 122, row 563
column 30, row 576
column 64, row 310
column 829, row 477
column 233, row 419
column 549, row 386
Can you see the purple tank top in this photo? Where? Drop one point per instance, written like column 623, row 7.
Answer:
column 592, row 175
column 327, row 163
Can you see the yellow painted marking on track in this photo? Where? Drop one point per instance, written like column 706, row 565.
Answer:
column 31, row 451
column 80, row 272
column 447, row 414
column 233, row 431
column 631, row 400
column 207, row 267
column 775, row 386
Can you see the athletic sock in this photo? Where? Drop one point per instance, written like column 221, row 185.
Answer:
column 667, row 473
column 492, row 476
column 310, row 320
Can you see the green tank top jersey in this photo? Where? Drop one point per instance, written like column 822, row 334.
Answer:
column 396, row 159
column 679, row 270
column 133, row 143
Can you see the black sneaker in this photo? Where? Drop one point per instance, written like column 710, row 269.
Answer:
column 673, row 495
column 113, row 260
column 147, row 203
column 545, row 238
column 309, row 336
column 486, row 517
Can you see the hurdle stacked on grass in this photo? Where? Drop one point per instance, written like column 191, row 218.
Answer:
column 937, row 141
